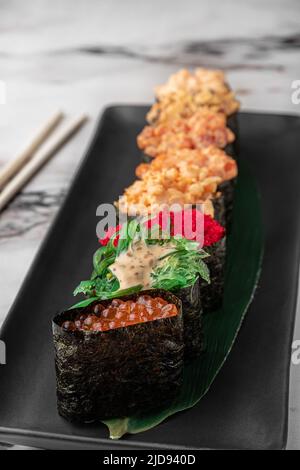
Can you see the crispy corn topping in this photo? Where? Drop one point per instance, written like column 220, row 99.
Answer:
column 185, row 92
column 193, row 82
column 184, row 184
column 183, row 105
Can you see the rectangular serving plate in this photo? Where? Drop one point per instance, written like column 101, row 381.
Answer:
column 247, row 406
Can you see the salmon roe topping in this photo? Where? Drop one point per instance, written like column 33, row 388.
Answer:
column 121, row 313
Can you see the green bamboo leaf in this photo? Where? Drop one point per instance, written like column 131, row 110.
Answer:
column 244, row 258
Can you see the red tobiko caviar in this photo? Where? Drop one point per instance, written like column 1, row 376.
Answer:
column 213, row 231
column 108, row 234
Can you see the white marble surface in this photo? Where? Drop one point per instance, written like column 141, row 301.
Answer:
column 80, row 56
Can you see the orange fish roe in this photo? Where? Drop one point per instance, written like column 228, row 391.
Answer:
column 122, row 313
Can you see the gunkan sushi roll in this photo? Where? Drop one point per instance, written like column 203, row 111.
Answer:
column 183, row 184
column 205, row 128
column 184, row 176
column 116, row 357
column 172, row 263
column 182, row 98
column 209, row 295
column 186, row 92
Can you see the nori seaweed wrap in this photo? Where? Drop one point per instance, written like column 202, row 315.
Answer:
column 212, row 294
column 233, row 148
column 219, row 206
column 223, row 205
column 105, row 374
column 192, row 318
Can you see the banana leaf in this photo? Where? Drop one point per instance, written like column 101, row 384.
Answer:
column 243, row 264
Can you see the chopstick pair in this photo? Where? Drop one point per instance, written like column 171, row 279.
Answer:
column 17, row 173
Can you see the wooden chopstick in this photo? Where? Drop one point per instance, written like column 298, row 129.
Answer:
column 13, row 167
column 26, row 173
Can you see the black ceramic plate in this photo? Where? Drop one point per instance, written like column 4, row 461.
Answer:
column 247, row 406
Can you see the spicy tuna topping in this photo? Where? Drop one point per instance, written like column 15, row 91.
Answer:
column 202, row 129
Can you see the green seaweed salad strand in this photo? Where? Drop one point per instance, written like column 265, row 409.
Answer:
column 178, row 269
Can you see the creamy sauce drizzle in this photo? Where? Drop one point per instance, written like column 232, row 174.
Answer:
column 134, row 266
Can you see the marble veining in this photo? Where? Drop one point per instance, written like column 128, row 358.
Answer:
column 29, row 210
column 193, row 53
